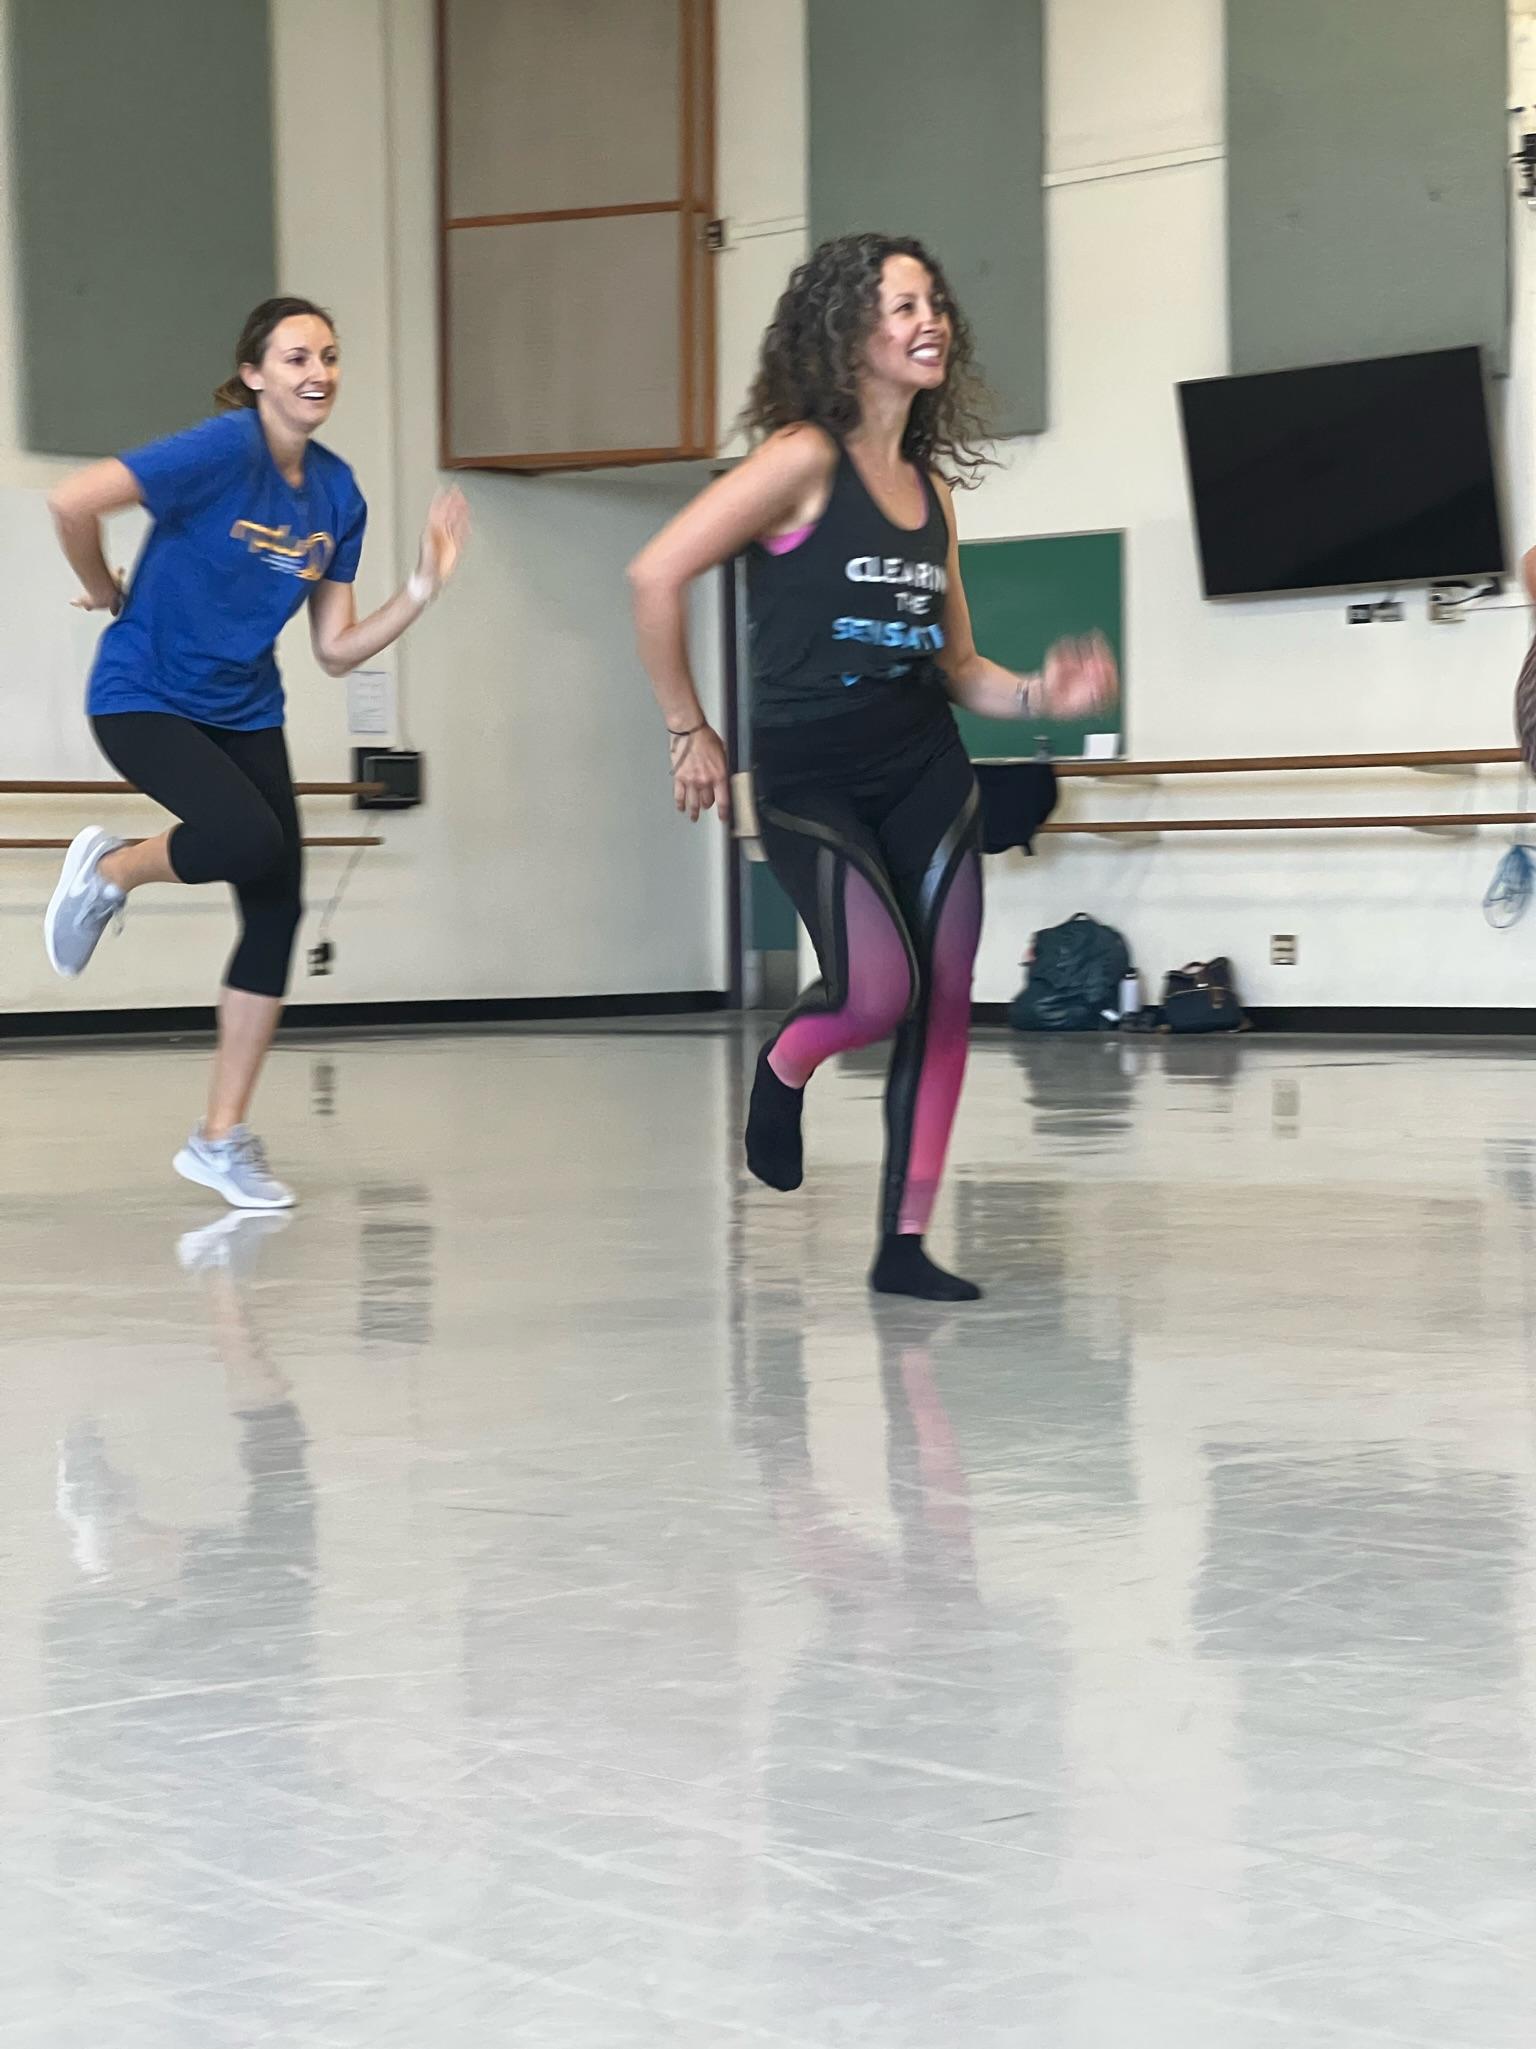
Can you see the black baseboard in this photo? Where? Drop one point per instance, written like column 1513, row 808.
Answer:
column 1426, row 1020
column 1376, row 1020
column 1384, row 1021
column 309, row 1017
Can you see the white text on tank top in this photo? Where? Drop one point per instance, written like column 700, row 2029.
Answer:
column 922, row 587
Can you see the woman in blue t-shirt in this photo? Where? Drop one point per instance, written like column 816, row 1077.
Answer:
column 251, row 518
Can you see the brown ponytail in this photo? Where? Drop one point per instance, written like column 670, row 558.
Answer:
column 258, row 330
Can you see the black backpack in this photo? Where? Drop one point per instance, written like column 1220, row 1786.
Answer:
column 1074, row 978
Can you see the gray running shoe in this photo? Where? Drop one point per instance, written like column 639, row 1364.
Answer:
column 234, row 1167
column 83, row 906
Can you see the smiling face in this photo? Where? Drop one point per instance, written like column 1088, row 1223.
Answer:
column 909, row 343
column 299, row 373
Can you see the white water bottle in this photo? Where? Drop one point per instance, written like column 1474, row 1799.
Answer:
column 1130, row 993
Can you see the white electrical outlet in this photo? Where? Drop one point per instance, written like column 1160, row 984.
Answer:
column 1282, row 949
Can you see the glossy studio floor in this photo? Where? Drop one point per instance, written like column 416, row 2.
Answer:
column 536, row 1596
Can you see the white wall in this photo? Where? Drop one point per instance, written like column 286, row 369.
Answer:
column 1136, row 238
column 1138, row 294
column 547, row 860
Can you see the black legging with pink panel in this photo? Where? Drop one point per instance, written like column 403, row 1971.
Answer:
column 233, row 793
column 872, row 824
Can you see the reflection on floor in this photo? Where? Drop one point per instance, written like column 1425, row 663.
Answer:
column 534, row 1595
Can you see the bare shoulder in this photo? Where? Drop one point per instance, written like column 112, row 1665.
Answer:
column 802, row 454
column 797, row 464
column 784, row 483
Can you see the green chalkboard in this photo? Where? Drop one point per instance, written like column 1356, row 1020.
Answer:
column 1024, row 595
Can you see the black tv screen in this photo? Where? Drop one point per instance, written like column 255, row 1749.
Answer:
column 1349, row 475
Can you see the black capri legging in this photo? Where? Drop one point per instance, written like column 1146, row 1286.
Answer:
column 233, row 793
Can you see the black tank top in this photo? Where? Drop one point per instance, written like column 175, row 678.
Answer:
column 853, row 607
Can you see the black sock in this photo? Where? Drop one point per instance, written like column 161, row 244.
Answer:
column 774, row 1150
column 903, row 1268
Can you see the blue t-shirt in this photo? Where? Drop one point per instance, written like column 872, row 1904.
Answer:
column 233, row 553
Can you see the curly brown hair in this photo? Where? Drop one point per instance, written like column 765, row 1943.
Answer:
column 813, row 352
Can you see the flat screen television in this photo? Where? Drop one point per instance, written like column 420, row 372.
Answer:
column 1345, row 476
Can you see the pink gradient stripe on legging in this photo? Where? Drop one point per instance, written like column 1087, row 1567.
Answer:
column 879, row 990
column 946, row 1041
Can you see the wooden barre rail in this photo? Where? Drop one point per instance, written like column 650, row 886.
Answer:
column 1284, row 764
column 319, row 840
column 745, row 827
column 1271, row 764
column 114, row 789
column 1424, row 821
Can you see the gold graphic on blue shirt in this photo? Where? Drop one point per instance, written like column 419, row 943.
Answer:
column 308, row 558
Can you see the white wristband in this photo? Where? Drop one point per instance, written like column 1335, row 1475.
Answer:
column 420, row 588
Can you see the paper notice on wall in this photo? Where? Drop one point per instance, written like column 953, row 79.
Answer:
column 371, row 704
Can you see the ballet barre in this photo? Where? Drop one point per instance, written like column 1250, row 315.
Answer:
column 1420, row 761
column 39, row 846
column 33, row 787
column 1440, row 824
column 1415, row 821
column 1424, row 761
column 116, row 789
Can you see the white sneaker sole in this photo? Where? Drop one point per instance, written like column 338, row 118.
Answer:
column 191, row 1168
column 229, row 1244
column 81, row 848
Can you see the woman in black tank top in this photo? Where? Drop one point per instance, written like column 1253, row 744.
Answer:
column 860, row 638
